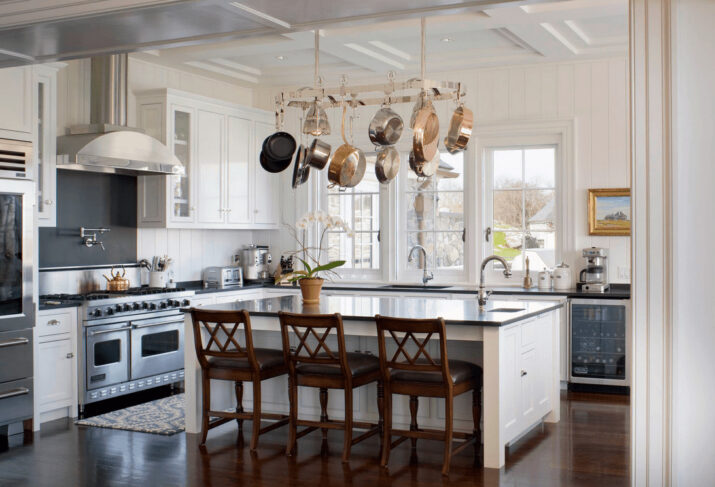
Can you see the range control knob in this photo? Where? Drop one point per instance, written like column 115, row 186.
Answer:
column 126, row 307
column 145, row 305
column 136, row 306
column 118, row 308
column 163, row 305
column 185, row 302
column 109, row 311
column 97, row 312
column 152, row 306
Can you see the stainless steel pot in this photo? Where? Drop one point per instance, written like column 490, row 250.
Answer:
column 424, row 169
column 385, row 127
column 318, row 154
column 387, row 164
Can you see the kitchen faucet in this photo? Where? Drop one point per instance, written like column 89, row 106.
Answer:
column 426, row 276
column 483, row 293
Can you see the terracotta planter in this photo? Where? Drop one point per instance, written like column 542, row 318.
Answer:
column 310, row 288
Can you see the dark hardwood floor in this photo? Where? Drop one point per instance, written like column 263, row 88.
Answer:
column 590, row 446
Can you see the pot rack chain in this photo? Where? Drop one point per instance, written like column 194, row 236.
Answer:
column 354, row 95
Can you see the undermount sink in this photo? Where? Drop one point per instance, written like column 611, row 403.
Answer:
column 505, row 310
column 412, row 286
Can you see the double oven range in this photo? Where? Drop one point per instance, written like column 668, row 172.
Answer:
column 130, row 341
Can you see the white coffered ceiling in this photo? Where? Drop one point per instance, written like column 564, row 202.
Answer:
column 472, row 38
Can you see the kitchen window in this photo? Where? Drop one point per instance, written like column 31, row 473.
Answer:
column 433, row 217
column 522, row 214
column 359, row 207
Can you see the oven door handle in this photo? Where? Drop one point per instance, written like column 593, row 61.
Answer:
column 157, row 323
column 104, row 332
column 14, row 342
column 20, row 391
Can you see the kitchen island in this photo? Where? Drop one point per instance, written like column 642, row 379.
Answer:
column 516, row 343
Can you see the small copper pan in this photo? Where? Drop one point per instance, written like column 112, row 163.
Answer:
column 425, row 136
column 460, row 130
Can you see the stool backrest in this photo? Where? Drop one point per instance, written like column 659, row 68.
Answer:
column 225, row 330
column 403, row 333
column 312, row 332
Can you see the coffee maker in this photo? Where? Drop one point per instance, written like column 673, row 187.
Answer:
column 255, row 261
column 594, row 278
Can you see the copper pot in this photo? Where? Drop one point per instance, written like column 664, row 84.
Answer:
column 117, row 282
column 347, row 166
column 460, row 130
column 387, row 164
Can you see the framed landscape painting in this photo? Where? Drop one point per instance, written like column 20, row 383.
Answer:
column 609, row 211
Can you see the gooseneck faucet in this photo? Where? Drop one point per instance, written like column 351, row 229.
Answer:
column 483, row 293
column 426, row 276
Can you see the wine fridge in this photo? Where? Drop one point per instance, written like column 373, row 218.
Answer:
column 600, row 342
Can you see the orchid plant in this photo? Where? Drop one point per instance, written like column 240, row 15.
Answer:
column 311, row 256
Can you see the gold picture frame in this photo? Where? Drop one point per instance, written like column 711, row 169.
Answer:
column 609, row 211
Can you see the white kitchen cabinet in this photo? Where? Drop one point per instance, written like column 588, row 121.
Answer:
column 16, row 103
column 526, row 352
column 44, row 107
column 56, row 365
column 210, row 156
column 219, row 144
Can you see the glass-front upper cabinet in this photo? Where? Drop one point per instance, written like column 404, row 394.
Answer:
column 45, row 134
column 181, row 191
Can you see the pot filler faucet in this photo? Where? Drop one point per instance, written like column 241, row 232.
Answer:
column 483, row 293
column 426, row 276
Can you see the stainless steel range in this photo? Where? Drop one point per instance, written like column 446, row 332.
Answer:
column 131, row 341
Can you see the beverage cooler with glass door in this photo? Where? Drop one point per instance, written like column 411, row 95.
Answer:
column 599, row 342
column 17, row 306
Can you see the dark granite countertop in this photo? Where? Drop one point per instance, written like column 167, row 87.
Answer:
column 617, row 291
column 455, row 311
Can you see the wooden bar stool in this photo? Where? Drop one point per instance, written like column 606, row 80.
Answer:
column 418, row 374
column 313, row 364
column 222, row 357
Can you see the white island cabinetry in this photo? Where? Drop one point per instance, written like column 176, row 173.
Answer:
column 218, row 143
column 519, row 358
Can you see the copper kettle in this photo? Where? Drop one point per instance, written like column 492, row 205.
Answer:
column 117, row 282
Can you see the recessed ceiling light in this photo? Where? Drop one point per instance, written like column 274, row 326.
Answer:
column 446, row 39
column 280, row 58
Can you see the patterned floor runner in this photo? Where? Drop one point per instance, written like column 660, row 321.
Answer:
column 163, row 417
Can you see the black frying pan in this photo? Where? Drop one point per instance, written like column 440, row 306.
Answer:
column 272, row 165
column 279, row 146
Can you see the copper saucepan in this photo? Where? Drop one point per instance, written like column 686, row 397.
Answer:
column 347, row 166
column 460, row 130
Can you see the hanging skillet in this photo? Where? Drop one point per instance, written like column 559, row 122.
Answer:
column 387, row 164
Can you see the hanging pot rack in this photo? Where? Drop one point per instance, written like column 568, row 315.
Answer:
column 366, row 94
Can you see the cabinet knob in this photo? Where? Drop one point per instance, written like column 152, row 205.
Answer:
column 48, row 202
column 193, row 208
column 523, row 373
column 53, row 323
column 256, row 211
column 70, row 355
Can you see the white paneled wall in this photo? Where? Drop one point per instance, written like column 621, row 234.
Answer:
column 191, row 250
column 591, row 93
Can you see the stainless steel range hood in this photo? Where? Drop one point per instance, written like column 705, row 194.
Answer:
column 107, row 145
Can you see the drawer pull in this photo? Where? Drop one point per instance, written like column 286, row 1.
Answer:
column 20, row 391
column 53, row 323
column 523, row 373
column 70, row 355
column 14, row 342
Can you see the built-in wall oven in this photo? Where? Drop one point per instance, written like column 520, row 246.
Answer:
column 17, row 305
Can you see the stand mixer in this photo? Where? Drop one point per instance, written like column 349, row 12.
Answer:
column 594, row 278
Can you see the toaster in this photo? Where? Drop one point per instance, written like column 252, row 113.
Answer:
column 223, row 277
